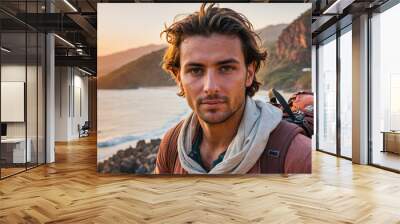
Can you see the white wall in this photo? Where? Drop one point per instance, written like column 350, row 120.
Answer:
column 12, row 101
column 71, row 87
column 62, row 81
column 15, row 73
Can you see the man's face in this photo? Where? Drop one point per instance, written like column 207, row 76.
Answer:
column 214, row 76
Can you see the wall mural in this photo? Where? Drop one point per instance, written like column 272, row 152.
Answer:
column 141, row 75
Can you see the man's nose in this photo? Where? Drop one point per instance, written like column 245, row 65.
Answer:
column 211, row 82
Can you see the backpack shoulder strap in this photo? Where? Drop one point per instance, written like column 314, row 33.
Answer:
column 273, row 158
column 172, row 147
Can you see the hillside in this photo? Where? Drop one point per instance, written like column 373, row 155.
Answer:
column 270, row 34
column 145, row 71
column 109, row 63
column 289, row 59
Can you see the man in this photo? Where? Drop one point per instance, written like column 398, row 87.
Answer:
column 213, row 55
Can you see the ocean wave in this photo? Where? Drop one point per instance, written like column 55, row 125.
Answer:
column 157, row 133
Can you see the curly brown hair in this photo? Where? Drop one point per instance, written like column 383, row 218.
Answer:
column 206, row 22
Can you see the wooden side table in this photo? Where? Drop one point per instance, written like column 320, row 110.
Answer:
column 391, row 141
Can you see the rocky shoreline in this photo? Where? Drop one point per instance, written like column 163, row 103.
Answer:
column 139, row 160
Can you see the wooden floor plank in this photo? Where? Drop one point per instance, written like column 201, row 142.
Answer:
column 71, row 191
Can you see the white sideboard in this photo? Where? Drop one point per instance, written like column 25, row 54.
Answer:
column 19, row 155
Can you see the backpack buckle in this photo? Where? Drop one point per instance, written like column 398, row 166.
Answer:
column 273, row 153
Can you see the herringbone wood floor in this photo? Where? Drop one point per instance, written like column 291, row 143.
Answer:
column 70, row 191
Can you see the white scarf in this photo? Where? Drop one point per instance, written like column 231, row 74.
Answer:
column 258, row 121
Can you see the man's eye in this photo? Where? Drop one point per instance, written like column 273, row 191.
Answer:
column 196, row 71
column 226, row 69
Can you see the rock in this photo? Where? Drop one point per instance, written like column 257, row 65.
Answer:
column 128, row 165
column 141, row 170
column 129, row 151
column 100, row 167
column 150, row 156
column 155, row 141
column 140, row 160
column 140, row 144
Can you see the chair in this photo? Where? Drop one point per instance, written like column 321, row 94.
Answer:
column 84, row 130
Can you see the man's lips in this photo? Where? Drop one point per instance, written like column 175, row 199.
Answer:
column 212, row 102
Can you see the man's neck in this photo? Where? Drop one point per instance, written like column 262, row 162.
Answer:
column 219, row 136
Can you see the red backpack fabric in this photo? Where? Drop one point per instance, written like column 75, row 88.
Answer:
column 303, row 101
column 298, row 110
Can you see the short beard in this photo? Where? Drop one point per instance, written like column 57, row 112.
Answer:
column 224, row 119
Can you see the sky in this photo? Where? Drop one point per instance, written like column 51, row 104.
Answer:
column 121, row 26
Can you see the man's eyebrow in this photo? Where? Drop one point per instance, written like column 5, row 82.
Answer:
column 228, row 61
column 223, row 62
column 193, row 64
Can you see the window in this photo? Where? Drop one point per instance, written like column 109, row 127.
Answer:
column 327, row 96
column 346, row 92
column 385, row 88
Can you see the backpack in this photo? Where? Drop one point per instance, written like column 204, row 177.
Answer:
column 298, row 110
column 271, row 161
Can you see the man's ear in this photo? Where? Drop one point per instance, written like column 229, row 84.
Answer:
column 250, row 74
